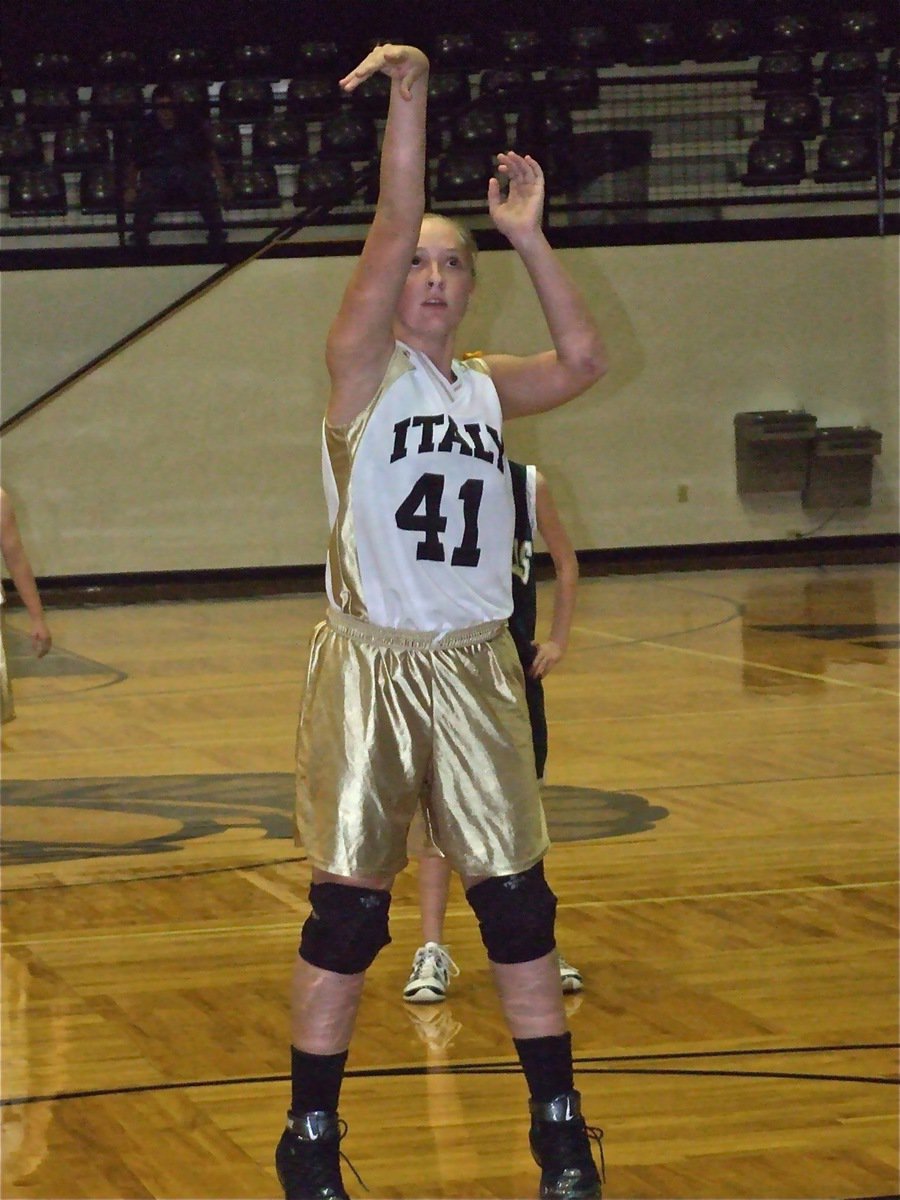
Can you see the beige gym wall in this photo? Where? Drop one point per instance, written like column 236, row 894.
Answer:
column 198, row 446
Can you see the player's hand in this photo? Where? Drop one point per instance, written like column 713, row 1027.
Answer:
column 519, row 211
column 405, row 63
column 547, row 655
column 41, row 641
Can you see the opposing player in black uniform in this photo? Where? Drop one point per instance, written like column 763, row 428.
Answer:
column 432, row 966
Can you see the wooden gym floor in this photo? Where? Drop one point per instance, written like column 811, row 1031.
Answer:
column 723, row 796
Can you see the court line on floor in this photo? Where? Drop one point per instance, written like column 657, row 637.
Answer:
column 586, row 1064
column 281, row 926
column 733, row 660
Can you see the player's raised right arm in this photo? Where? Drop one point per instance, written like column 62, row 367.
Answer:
column 360, row 341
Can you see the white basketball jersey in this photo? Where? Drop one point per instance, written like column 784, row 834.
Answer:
column 420, row 501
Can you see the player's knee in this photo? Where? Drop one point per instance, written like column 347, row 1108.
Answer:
column 516, row 914
column 346, row 928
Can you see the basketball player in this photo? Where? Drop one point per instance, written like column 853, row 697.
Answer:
column 413, row 674
column 23, row 577
column 535, row 509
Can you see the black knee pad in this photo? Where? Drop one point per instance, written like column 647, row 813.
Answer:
column 516, row 914
column 346, row 928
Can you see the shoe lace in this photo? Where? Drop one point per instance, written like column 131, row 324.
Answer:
column 442, row 954
column 597, row 1135
column 342, row 1126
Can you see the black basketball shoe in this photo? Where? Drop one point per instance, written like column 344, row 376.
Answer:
column 308, row 1157
column 560, row 1143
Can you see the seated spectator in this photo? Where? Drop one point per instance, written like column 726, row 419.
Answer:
column 172, row 161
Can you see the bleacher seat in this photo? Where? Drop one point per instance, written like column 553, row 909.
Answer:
column 120, row 66
column 20, row 147
column 373, row 95
column 521, row 47
column 51, row 105
column 463, row 175
column 225, row 138
column 187, row 62
column 720, row 39
column 892, row 72
column 349, row 134
column 782, row 71
column 892, row 166
column 318, row 58
column 858, row 26
column 857, row 112
column 279, row 139
column 52, row 66
column 192, row 95
column 37, row 192
column 254, row 60
column 79, row 146
column 588, row 46
column 654, row 44
column 775, row 161
column 849, row 71
column 246, row 100
column 507, row 87
column 456, row 52
column 481, row 127
column 312, row 96
column 448, row 92
column 796, row 31
column 800, row 116
column 253, row 185
column 98, row 190
column 846, row 158
column 115, row 103
column 7, row 107
column 323, row 183
column 576, row 87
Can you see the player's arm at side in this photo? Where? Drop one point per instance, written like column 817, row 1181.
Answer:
column 360, row 340
column 565, row 565
column 22, row 575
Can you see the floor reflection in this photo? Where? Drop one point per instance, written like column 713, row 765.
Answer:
column 792, row 635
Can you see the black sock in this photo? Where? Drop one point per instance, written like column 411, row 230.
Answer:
column 547, row 1063
column 316, row 1081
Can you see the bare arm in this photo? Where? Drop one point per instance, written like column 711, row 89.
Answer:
column 360, row 341
column 22, row 575
column 538, row 382
column 565, row 564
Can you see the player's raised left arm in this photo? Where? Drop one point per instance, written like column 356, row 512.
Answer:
column 537, row 382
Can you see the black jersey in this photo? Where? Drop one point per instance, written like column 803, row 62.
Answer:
column 523, row 621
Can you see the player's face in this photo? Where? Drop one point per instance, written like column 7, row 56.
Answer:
column 439, row 283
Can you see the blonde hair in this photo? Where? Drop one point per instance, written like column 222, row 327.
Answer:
column 466, row 238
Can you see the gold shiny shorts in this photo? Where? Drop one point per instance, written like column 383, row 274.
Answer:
column 392, row 719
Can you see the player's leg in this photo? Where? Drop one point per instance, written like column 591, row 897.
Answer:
column 432, row 966
column 570, row 977
column 357, row 786
column 516, row 914
column 489, row 821
column 347, row 926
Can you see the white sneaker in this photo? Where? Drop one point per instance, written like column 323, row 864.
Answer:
column 430, row 976
column 570, row 977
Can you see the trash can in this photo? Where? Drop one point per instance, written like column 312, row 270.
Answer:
column 771, row 450
column 840, row 466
